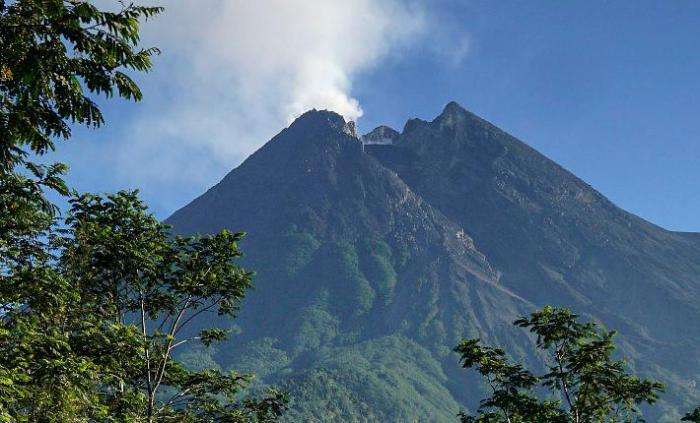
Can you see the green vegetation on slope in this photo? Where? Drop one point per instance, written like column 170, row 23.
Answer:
column 352, row 247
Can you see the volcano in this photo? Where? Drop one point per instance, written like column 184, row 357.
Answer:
column 375, row 255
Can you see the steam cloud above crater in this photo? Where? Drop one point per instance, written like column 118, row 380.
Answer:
column 292, row 55
column 234, row 72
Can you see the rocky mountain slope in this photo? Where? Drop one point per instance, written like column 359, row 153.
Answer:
column 373, row 259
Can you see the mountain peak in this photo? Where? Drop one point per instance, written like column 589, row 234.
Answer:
column 313, row 119
column 413, row 124
column 453, row 108
column 397, row 251
column 452, row 114
column 381, row 135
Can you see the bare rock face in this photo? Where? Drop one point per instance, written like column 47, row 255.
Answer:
column 375, row 255
column 381, row 135
column 351, row 129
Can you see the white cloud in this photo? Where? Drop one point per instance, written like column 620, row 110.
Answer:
column 235, row 72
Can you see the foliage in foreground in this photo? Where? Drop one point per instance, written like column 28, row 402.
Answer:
column 693, row 416
column 90, row 327
column 93, row 308
column 51, row 52
column 586, row 384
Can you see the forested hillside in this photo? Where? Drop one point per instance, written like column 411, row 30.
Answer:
column 374, row 260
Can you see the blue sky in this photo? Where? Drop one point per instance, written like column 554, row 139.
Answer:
column 610, row 90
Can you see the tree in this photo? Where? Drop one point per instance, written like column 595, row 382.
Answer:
column 586, row 383
column 693, row 416
column 511, row 386
column 51, row 51
column 92, row 312
column 152, row 287
column 93, row 333
column 52, row 55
